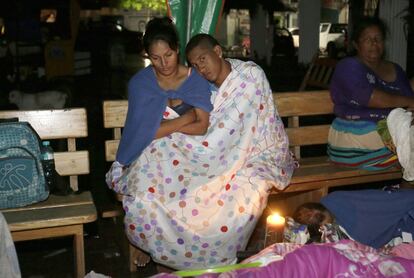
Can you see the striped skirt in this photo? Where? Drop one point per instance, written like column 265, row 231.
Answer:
column 357, row 144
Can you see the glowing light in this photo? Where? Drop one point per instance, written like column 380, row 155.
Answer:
column 275, row 225
column 275, row 220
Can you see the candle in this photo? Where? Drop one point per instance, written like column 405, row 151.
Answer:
column 274, row 229
column 275, row 220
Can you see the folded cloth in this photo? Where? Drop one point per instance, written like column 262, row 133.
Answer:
column 401, row 131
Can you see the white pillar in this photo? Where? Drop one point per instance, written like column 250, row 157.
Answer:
column 231, row 28
column 396, row 44
column 309, row 19
column 261, row 35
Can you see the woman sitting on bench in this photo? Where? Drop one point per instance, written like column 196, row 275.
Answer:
column 364, row 89
column 163, row 98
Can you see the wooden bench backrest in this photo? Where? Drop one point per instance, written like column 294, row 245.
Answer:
column 293, row 105
column 114, row 115
column 68, row 124
column 319, row 73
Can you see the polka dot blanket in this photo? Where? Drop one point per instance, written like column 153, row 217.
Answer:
column 193, row 201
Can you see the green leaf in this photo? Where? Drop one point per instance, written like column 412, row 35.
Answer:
column 155, row 5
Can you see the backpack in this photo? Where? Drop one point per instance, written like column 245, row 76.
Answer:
column 22, row 181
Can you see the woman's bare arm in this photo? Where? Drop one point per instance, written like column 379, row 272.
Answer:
column 199, row 126
column 170, row 126
column 382, row 99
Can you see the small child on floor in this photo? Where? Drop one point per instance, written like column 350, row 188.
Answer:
column 376, row 218
column 320, row 223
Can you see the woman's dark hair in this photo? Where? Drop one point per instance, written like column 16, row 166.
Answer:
column 365, row 22
column 160, row 29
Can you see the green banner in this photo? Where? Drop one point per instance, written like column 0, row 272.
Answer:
column 203, row 18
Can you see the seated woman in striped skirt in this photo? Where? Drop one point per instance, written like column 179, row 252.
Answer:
column 364, row 89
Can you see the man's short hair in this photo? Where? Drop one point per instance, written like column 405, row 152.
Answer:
column 202, row 40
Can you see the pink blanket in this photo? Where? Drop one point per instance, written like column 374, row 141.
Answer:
column 345, row 258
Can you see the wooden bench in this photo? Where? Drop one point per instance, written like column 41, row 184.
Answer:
column 317, row 174
column 57, row 216
column 319, row 73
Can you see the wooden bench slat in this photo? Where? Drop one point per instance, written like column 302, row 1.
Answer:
column 309, row 135
column 318, row 172
column 331, row 172
column 48, row 123
column 298, row 185
column 114, row 113
column 111, row 146
column 303, row 103
column 50, row 217
column 55, row 201
column 72, row 163
column 53, row 212
column 319, row 161
column 75, row 231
